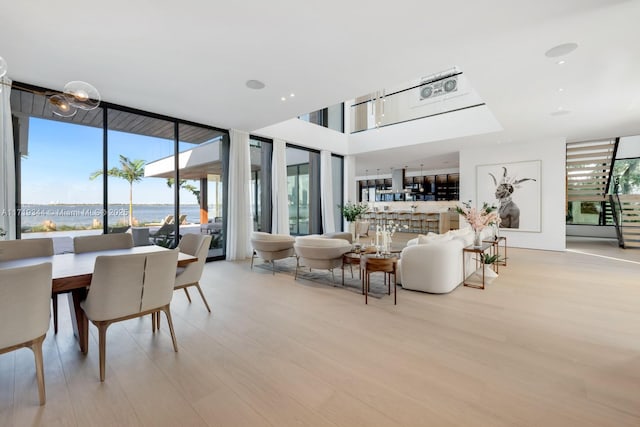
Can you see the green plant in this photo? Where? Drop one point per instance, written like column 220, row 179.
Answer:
column 352, row 211
column 184, row 184
column 491, row 259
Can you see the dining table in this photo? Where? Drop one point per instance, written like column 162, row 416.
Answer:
column 72, row 273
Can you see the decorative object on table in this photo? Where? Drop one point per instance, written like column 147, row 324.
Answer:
column 75, row 95
column 352, row 212
column 478, row 219
column 383, row 236
column 489, row 273
column 413, row 208
column 2, row 233
column 515, row 188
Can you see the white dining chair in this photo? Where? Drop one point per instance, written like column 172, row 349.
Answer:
column 102, row 242
column 24, row 312
column 196, row 245
column 31, row 248
column 128, row 286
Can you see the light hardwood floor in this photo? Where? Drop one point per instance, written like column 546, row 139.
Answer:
column 554, row 341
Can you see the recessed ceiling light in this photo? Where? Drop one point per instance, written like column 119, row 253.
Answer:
column 292, row 95
column 560, row 90
column 254, row 84
column 284, row 98
column 561, row 50
column 561, row 62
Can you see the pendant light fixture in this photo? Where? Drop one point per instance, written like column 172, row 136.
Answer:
column 75, row 95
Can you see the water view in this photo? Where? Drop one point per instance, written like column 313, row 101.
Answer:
column 37, row 217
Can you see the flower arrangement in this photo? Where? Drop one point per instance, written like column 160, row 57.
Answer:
column 479, row 218
column 352, row 211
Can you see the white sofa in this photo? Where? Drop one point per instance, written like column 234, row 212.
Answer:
column 433, row 263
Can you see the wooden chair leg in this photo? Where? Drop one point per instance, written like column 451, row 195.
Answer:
column 153, row 322
column 167, row 312
column 157, row 314
column 204, row 300
column 54, row 304
column 102, row 344
column 188, row 296
column 36, row 347
column 253, row 255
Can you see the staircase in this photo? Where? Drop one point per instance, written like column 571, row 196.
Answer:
column 630, row 220
column 588, row 168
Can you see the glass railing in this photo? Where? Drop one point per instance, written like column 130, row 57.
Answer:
column 434, row 95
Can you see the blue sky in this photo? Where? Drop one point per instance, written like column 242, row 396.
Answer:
column 62, row 156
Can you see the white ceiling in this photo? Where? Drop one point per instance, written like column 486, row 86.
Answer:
column 191, row 59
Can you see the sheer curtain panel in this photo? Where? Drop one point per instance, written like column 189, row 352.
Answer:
column 280, row 214
column 7, row 164
column 239, row 210
column 326, row 195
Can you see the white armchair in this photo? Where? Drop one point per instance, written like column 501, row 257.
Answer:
column 24, row 312
column 320, row 252
column 271, row 247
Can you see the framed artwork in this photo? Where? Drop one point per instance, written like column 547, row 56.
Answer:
column 515, row 189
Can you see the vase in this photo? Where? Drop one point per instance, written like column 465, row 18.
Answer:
column 489, row 274
column 477, row 239
column 352, row 230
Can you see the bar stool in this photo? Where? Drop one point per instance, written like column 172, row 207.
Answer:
column 432, row 222
column 404, row 219
column 417, row 222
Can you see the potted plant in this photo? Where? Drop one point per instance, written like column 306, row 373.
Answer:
column 489, row 273
column 351, row 213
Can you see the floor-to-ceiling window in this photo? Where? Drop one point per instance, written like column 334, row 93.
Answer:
column 298, row 190
column 55, row 161
column 261, row 150
column 64, row 166
column 137, row 198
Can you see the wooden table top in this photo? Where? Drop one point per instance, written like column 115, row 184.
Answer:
column 72, row 271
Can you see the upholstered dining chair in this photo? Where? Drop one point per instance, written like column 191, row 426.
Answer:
column 30, row 248
column 271, row 247
column 196, row 245
column 128, row 286
column 24, row 312
column 102, row 242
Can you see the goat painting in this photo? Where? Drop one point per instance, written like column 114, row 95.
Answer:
column 515, row 188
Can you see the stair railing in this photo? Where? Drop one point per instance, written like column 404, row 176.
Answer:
column 616, row 211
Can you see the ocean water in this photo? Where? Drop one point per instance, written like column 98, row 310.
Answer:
column 84, row 215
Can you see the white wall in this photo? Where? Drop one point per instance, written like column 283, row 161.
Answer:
column 551, row 153
column 305, row 134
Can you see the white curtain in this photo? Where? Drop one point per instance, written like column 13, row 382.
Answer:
column 350, row 191
column 326, row 195
column 239, row 223
column 279, row 192
column 7, row 165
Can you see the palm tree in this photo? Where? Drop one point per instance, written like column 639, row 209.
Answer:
column 129, row 170
column 189, row 187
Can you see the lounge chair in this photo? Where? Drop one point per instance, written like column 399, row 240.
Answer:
column 163, row 234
